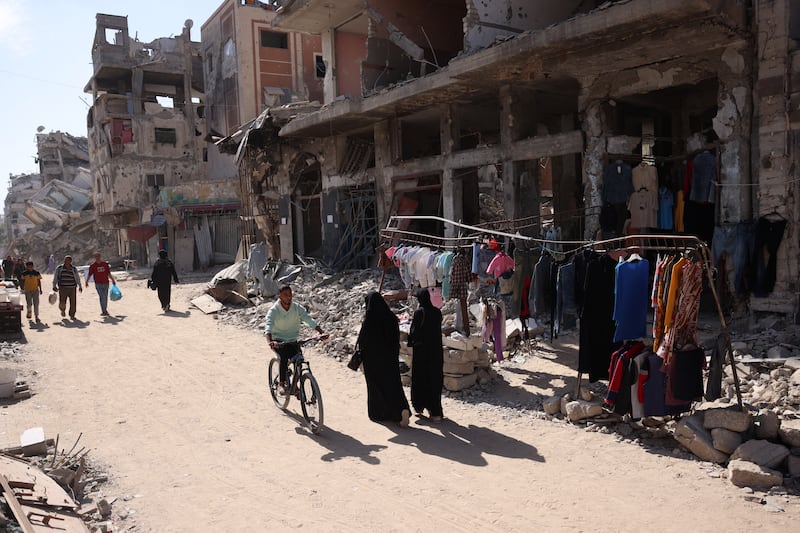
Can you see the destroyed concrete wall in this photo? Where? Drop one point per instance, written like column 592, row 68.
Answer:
column 486, row 21
column 21, row 189
column 61, row 156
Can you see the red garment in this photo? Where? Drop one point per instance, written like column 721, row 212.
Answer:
column 525, row 311
column 100, row 272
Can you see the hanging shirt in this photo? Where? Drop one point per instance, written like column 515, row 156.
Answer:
column 500, row 264
column 631, row 299
column 665, row 203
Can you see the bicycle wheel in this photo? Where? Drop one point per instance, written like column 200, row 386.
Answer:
column 311, row 402
column 274, row 382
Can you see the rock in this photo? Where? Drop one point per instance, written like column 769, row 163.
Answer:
column 653, row 421
column 104, row 508
column 793, row 363
column 457, row 383
column 552, row 405
column 795, row 379
column 581, row 409
column 779, row 352
column 790, row 432
column 564, row 401
column 739, row 345
column 728, row 418
column 793, row 465
column 586, row 394
column 725, row 440
column 767, row 424
column 762, row 453
column 746, row 474
column 693, row 436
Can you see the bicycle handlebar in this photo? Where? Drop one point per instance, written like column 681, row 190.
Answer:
column 301, row 342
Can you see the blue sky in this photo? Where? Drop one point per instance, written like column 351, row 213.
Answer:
column 46, row 60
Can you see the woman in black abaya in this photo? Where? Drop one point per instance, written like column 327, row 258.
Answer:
column 379, row 341
column 427, row 377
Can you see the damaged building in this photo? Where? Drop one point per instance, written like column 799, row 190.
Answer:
column 150, row 184
column 442, row 108
column 52, row 211
column 253, row 72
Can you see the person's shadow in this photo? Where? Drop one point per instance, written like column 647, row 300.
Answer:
column 111, row 319
column 74, row 323
column 38, row 327
column 341, row 445
column 465, row 445
column 177, row 314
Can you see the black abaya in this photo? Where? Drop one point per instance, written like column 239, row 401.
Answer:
column 379, row 341
column 425, row 336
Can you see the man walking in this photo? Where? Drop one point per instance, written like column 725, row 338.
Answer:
column 32, row 286
column 67, row 282
column 101, row 271
column 162, row 276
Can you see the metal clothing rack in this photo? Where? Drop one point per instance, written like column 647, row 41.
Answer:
column 628, row 243
column 677, row 244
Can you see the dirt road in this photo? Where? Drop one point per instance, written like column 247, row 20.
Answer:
column 175, row 404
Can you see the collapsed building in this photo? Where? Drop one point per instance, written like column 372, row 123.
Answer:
column 150, row 184
column 439, row 108
column 52, row 211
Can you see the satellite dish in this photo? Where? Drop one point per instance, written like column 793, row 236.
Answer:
column 40, row 129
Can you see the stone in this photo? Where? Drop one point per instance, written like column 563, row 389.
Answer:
column 728, row 418
column 779, row 352
column 790, row 432
column 762, row 453
column 586, row 394
column 795, row 379
column 793, row 363
column 459, row 368
column 457, row 383
column 739, row 345
column 694, row 437
column 552, row 405
column 104, row 508
column 725, row 440
column 460, row 356
column 564, row 401
column 581, row 409
column 746, row 474
column 793, row 465
column 767, row 424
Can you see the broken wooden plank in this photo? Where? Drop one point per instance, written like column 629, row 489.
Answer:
column 16, row 507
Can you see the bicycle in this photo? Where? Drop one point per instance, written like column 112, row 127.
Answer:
column 302, row 385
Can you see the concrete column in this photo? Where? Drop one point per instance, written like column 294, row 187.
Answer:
column 508, row 134
column 452, row 190
column 383, row 159
column 329, row 55
column 596, row 136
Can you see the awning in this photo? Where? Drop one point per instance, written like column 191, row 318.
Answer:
column 141, row 233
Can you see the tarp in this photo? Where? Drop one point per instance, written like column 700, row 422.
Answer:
column 141, row 233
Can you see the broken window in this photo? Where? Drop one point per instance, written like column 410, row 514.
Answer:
column 155, row 180
column 113, row 36
column 273, row 39
column 229, row 49
column 166, row 136
column 319, row 63
column 210, row 62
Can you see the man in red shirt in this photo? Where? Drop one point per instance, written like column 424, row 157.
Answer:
column 101, row 271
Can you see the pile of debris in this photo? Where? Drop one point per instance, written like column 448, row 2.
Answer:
column 43, row 487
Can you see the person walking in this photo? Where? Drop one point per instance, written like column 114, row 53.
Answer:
column 101, row 272
column 32, row 287
column 67, row 282
column 162, row 276
column 8, row 268
column 51, row 264
column 427, row 375
column 379, row 342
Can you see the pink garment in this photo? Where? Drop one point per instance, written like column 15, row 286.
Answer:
column 390, row 251
column 501, row 263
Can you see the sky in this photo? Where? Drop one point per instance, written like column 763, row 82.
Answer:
column 46, row 61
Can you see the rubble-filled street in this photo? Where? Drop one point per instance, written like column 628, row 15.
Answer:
column 174, row 408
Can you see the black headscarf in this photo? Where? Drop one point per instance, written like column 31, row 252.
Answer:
column 380, row 325
column 424, row 298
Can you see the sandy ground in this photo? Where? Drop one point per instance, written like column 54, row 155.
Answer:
column 176, row 405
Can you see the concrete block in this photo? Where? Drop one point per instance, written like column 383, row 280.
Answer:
column 694, row 437
column 457, row 383
column 725, row 440
column 745, row 474
column 762, row 453
column 459, row 368
column 767, row 424
column 552, row 405
column 461, row 356
column 728, row 418
column 581, row 409
column 790, row 432
column 462, row 343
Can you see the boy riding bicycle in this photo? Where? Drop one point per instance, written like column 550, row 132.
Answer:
column 283, row 327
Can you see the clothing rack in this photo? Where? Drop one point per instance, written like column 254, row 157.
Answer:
column 670, row 243
column 628, row 244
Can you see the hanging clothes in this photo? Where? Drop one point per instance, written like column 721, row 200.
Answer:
column 459, row 277
column 596, row 336
column 541, row 285
column 769, row 234
column 494, row 325
column 666, row 202
column 631, row 297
